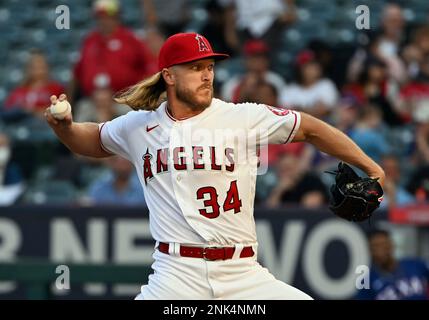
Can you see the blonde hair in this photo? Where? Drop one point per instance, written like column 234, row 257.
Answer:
column 145, row 95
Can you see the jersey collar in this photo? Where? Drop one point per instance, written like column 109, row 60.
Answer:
column 165, row 114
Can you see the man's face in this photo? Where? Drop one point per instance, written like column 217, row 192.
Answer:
column 265, row 94
column 393, row 20
column 257, row 63
column 102, row 98
column 311, row 72
column 376, row 72
column 193, row 83
column 107, row 24
column 38, row 67
column 381, row 249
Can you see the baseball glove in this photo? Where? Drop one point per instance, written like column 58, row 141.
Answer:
column 354, row 198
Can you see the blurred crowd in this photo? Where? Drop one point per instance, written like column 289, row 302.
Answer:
column 375, row 90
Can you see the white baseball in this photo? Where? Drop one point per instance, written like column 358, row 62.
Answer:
column 60, row 109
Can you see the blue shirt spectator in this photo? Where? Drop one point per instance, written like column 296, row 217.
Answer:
column 394, row 192
column 407, row 281
column 370, row 141
column 392, row 279
column 402, row 197
column 367, row 133
column 120, row 187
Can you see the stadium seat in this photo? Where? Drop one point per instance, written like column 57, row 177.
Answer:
column 52, row 192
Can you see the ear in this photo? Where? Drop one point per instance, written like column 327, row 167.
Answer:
column 168, row 76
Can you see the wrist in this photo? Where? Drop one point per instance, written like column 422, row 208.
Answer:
column 378, row 174
column 65, row 129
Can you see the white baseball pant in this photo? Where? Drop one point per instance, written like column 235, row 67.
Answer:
column 186, row 278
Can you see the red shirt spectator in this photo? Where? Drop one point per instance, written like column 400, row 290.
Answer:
column 415, row 90
column 34, row 93
column 117, row 61
column 372, row 88
column 33, row 98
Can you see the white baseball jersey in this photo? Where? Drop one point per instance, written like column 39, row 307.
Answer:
column 199, row 174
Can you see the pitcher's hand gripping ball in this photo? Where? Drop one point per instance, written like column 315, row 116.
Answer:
column 354, row 198
column 60, row 109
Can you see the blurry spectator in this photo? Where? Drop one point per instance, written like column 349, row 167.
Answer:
column 264, row 93
column 120, row 187
column 391, row 278
column 169, row 16
column 372, row 87
column 414, row 53
column 212, row 30
column 384, row 44
column 11, row 180
column 255, row 19
column 269, row 157
column 392, row 36
column 421, row 117
column 238, row 88
column 154, row 39
column 111, row 56
column 32, row 97
column 296, row 185
column 415, row 94
column 418, row 184
column 368, row 133
column 345, row 114
column 100, row 108
column 344, row 117
column 392, row 29
column 394, row 193
column 303, row 151
column 333, row 62
column 312, row 92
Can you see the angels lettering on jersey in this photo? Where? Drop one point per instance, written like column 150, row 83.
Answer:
column 199, row 158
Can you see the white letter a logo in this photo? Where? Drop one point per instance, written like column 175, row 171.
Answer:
column 202, row 45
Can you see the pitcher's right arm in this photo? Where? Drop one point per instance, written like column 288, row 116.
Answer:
column 80, row 138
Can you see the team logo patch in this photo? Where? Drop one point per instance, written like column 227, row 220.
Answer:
column 278, row 111
column 202, row 45
column 147, row 169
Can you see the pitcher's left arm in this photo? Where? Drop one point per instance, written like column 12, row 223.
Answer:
column 332, row 141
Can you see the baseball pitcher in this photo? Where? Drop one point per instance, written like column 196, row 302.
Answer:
column 196, row 158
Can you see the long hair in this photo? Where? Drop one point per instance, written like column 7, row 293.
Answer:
column 145, row 95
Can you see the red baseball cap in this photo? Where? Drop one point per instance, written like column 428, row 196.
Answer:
column 304, row 57
column 186, row 47
column 255, row 47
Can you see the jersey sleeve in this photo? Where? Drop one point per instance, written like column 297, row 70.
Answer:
column 113, row 136
column 275, row 125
